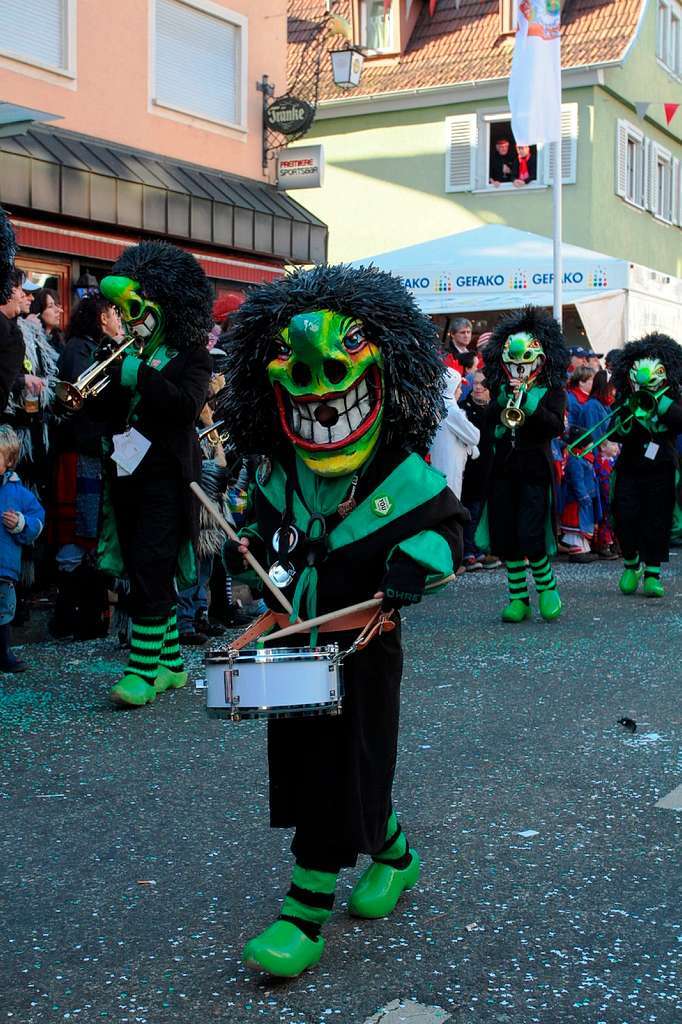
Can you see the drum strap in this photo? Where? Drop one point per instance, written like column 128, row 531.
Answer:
column 371, row 623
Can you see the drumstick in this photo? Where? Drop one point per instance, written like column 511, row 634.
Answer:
column 233, row 535
column 319, row 620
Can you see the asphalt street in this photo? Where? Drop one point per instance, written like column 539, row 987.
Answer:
column 136, row 857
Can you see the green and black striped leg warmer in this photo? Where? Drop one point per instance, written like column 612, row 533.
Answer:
column 171, row 655
column 145, row 648
column 396, row 850
column 631, row 563
column 543, row 575
column 517, row 582
column 394, row 868
column 518, row 608
column 545, row 584
column 310, row 900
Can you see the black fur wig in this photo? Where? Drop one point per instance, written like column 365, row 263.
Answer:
column 651, row 346
column 540, row 325
column 172, row 278
column 413, row 369
column 8, row 250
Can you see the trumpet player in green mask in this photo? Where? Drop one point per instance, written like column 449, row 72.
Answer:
column 525, row 370
column 647, row 420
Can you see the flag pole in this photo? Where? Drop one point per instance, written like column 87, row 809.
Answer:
column 557, row 226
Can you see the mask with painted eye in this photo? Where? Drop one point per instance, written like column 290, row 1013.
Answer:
column 648, row 374
column 142, row 317
column 523, row 357
column 328, row 380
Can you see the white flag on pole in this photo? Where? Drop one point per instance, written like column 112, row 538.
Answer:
column 535, row 82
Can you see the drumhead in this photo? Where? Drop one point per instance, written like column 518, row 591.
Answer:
column 269, row 655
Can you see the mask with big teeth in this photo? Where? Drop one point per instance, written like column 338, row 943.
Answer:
column 522, row 357
column 329, row 386
column 142, row 318
column 648, row 375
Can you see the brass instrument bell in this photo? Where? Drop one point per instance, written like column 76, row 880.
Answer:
column 512, row 415
column 90, row 382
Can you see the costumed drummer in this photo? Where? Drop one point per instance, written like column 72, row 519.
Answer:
column 336, row 377
column 525, row 371
column 150, row 518
column 647, row 376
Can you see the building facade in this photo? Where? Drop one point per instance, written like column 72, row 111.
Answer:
column 412, row 154
column 156, row 132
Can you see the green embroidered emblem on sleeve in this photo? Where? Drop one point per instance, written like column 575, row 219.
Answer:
column 382, row 506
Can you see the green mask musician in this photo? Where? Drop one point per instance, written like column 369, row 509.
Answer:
column 336, row 379
column 151, row 403
column 646, row 419
column 525, row 369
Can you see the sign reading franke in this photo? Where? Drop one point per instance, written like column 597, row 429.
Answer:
column 289, row 115
column 302, row 167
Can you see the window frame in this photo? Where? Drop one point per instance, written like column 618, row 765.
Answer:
column 240, row 22
column 663, row 200
column 632, row 134
column 69, row 30
column 666, row 12
column 394, row 25
column 483, row 160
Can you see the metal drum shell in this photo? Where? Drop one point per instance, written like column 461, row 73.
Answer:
column 279, row 682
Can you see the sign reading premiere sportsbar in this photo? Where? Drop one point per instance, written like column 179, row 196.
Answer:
column 289, row 115
column 302, row 167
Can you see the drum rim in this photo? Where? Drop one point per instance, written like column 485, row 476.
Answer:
column 268, row 655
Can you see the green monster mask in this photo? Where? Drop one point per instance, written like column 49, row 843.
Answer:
column 329, row 387
column 142, row 318
column 648, row 375
column 522, row 357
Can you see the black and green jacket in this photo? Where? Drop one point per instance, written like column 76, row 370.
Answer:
column 402, row 505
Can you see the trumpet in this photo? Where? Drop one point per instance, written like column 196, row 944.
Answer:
column 214, row 434
column 513, row 415
column 639, row 405
column 90, row 382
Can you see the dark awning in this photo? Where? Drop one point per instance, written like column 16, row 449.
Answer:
column 60, row 172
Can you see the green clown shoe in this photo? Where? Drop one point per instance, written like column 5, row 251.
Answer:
column 168, row 680
column 516, row 611
column 550, row 604
column 629, row 580
column 652, row 587
column 132, row 691
column 283, row 950
column 380, row 887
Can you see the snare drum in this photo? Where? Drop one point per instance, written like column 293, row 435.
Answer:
column 278, row 682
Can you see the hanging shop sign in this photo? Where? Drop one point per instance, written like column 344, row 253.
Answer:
column 302, row 167
column 289, row 116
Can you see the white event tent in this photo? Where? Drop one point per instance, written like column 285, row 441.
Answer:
column 498, row 267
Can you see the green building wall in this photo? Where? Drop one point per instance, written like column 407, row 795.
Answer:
column 385, row 175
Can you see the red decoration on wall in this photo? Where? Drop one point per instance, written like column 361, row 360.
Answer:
column 670, row 111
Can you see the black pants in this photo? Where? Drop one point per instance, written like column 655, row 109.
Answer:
column 331, row 777
column 643, row 509
column 517, row 518
column 149, row 520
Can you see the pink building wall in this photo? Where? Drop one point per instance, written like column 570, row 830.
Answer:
column 110, row 94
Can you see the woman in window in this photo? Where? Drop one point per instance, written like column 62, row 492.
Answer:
column 526, row 170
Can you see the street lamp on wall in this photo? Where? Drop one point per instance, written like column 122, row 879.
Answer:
column 347, row 67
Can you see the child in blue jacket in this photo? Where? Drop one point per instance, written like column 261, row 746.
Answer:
column 22, row 518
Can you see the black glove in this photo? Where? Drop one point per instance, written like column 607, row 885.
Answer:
column 233, row 560
column 403, row 583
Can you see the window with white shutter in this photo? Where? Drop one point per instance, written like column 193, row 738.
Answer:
column 460, row 152
column 38, row 33
column 631, row 164
column 661, row 183
column 677, row 193
column 569, row 147
column 198, row 49
column 669, row 35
